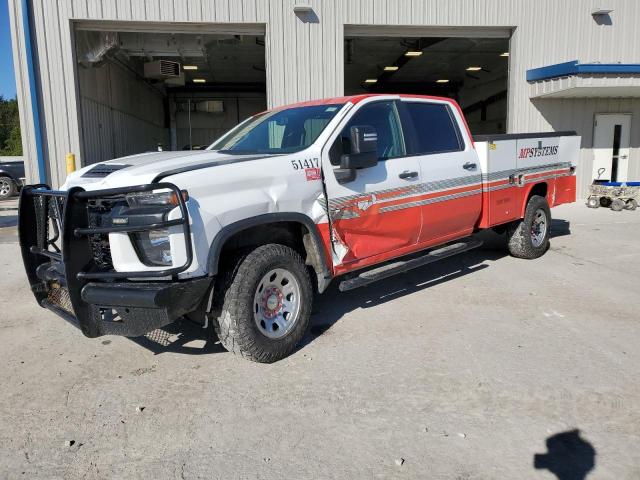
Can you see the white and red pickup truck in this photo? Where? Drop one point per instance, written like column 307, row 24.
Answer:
column 245, row 232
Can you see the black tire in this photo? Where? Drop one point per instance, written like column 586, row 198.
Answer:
column 631, row 204
column 617, row 205
column 237, row 327
column 605, row 202
column 593, row 202
column 8, row 188
column 519, row 233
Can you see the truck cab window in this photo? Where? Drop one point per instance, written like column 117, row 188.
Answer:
column 435, row 128
column 383, row 116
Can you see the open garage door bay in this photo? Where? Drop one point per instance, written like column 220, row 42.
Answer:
column 143, row 88
column 470, row 65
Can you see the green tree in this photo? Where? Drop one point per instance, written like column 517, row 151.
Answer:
column 13, row 144
column 10, row 139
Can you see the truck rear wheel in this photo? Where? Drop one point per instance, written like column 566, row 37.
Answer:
column 529, row 238
column 266, row 304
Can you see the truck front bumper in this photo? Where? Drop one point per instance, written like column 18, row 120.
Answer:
column 129, row 309
column 68, row 265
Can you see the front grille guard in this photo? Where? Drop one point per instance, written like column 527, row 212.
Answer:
column 55, row 240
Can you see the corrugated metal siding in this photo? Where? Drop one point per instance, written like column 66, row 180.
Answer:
column 22, row 89
column 120, row 114
column 208, row 127
column 305, row 60
column 110, row 133
column 579, row 115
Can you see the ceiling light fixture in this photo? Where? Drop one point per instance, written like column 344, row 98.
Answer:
column 371, row 80
column 474, row 69
column 442, row 80
column 413, row 53
column 391, row 68
column 199, row 80
column 505, row 54
column 189, row 67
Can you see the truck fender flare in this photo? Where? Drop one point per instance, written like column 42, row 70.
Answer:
column 324, row 276
column 527, row 194
column 6, row 173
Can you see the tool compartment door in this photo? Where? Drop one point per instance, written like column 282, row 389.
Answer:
column 565, row 184
column 502, row 195
column 539, row 162
column 538, row 157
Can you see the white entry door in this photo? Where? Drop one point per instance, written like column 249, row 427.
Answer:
column 611, row 147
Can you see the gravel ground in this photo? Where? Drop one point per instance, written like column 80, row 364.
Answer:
column 481, row 366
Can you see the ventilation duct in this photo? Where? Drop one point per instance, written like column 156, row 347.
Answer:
column 161, row 69
column 93, row 47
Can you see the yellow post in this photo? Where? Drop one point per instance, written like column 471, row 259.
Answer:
column 71, row 163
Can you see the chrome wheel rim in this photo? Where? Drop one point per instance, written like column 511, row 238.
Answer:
column 539, row 227
column 276, row 303
column 4, row 188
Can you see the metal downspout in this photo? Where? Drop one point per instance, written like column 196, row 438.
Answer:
column 35, row 106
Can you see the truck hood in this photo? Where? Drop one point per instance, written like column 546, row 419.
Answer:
column 147, row 167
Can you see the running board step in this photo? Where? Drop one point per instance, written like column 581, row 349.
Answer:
column 394, row 268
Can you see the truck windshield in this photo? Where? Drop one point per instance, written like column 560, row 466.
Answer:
column 280, row 131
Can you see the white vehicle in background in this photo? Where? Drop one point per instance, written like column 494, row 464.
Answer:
column 247, row 231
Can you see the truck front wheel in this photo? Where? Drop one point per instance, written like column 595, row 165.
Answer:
column 529, row 238
column 266, row 304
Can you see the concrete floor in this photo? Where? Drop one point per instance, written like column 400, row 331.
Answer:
column 466, row 369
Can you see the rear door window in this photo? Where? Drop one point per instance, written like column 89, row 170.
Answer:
column 436, row 130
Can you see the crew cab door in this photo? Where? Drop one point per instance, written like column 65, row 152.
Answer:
column 365, row 213
column 451, row 199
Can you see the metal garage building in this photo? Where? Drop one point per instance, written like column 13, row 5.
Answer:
column 106, row 78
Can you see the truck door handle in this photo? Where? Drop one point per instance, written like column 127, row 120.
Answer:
column 469, row 166
column 407, row 175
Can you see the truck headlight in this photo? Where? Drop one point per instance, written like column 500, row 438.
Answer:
column 153, row 199
column 153, row 247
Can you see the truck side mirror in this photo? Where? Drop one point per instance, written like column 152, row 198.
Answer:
column 364, row 153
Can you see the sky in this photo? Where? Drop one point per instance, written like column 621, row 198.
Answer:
column 7, row 78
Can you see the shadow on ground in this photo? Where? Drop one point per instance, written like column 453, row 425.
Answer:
column 7, row 221
column 189, row 338
column 559, row 228
column 333, row 304
column 8, row 213
column 182, row 336
column 568, row 457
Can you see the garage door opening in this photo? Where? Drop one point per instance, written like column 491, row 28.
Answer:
column 473, row 71
column 145, row 91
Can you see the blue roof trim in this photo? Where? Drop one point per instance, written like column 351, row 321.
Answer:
column 575, row 68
